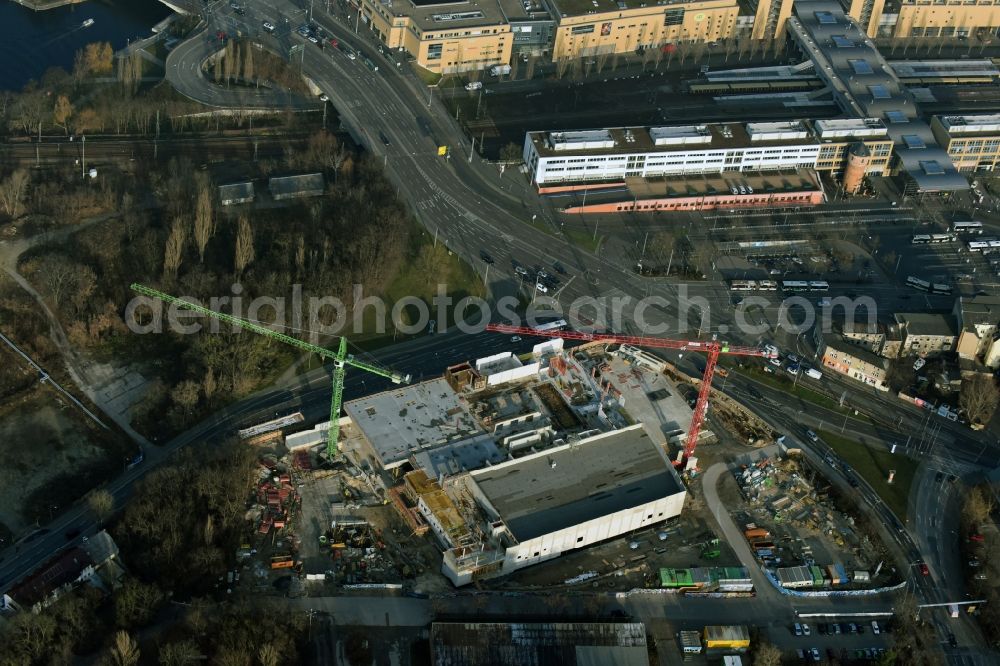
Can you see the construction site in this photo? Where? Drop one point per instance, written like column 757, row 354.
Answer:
column 502, row 463
column 794, row 527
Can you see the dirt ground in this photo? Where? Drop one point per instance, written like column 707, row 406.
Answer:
column 41, row 439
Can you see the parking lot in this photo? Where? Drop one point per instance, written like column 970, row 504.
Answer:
column 848, row 641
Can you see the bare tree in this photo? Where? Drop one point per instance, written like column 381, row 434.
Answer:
column 13, row 191
column 179, row 654
column 101, row 503
column 244, row 246
column 125, row 651
column 173, row 253
column 977, row 507
column 248, row 71
column 62, row 112
column 268, row 655
column 979, row 399
column 204, row 221
column 767, row 654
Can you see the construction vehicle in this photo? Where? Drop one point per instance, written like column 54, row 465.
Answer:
column 712, row 348
column 341, row 359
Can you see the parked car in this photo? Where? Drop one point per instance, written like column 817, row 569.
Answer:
column 485, row 257
column 924, row 570
column 268, row 26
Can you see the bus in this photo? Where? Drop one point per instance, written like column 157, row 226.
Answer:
column 818, row 285
column 917, row 283
column 557, row 325
column 942, row 238
column 794, row 285
column 978, row 246
column 967, row 227
column 921, row 239
column 743, row 285
column 940, row 289
column 767, row 285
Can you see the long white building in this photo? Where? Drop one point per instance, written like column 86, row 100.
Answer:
column 608, row 155
column 538, row 507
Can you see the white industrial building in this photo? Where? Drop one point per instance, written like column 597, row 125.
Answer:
column 614, row 154
column 535, row 508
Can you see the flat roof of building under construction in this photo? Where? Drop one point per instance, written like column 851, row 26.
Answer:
column 407, row 419
column 577, row 482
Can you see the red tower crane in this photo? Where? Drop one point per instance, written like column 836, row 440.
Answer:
column 711, row 348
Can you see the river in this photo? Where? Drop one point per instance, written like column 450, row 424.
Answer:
column 31, row 42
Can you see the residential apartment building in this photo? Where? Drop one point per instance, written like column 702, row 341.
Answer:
column 977, row 319
column 972, row 142
column 926, row 334
column 618, row 153
column 852, row 361
column 880, row 336
column 600, row 27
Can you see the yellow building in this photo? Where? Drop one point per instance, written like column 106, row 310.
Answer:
column 972, row 142
column 770, row 17
column 444, row 37
column 838, row 136
column 600, row 27
column 927, row 18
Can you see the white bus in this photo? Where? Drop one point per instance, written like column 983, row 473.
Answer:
column 794, row 285
column 917, row 283
column 921, row 239
column 767, row 285
column 942, row 238
column 743, row 285
column 978, row 246
column 967, row 227
column 557, row 325
column 940, row 289
column 818, row 285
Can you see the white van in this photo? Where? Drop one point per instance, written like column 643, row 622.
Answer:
column 814, row 373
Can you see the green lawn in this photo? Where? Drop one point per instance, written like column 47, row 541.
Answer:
column 427, row 76
column 782, row 383
column 874, row 467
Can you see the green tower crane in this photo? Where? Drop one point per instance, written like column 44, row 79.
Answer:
column 341, row 359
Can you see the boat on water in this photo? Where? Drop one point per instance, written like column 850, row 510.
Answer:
column 87, row 23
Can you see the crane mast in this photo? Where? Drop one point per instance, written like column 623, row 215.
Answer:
column 341, row 359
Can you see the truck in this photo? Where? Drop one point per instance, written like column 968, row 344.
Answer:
column 499, row 70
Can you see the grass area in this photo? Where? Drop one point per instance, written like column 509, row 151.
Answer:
column 585, row 239
column 781, row 383
column 874, row 467
column 428, row 77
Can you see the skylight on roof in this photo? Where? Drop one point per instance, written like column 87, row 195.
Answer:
column 896, row 117
column 914, row 142
column 879, row 92
column 826, row 18
column 932, row 168
column 860, row 66
column 842, row 42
